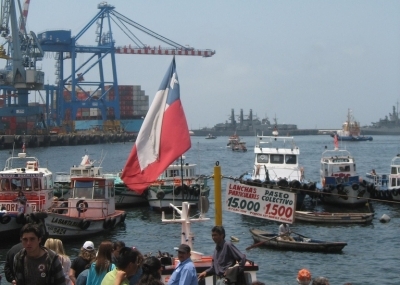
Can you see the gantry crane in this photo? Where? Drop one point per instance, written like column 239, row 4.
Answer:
column 66, row 47
column 20, row 74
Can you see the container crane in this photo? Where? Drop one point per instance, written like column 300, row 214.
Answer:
column 68, row 84
column 20, row 74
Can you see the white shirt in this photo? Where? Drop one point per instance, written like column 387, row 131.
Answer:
column 284, row 229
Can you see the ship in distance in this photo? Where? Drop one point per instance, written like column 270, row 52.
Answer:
column 250, row 126
column 390, row 125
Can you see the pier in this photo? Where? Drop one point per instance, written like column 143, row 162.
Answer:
column 17, row 141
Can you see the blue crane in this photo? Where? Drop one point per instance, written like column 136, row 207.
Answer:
column 70, row 84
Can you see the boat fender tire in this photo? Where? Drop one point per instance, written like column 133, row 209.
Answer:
column 123, row 217
column 177, row 190
column 21, row 219
column 113, row 222
column 339, row 187
column 160, row 194
column 283, row 183
column 33, row 218
column 355, row 186
column 295, row 184
column 84, row 224
column 82, row 206
column 395, row 192
column 107, row 223
column 185, row 189
column 63, row 205
column 5, row 219
column 41, row 215
column 257, row 182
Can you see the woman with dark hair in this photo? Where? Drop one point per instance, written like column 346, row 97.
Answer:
column 151, row 272
column 102, row 265
column 87, row 255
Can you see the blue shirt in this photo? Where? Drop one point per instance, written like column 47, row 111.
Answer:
column 184, row 274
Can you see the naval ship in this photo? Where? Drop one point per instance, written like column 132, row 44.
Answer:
column 390, row 125
column 251, row 126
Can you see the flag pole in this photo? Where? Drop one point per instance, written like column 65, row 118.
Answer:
column 217, row 194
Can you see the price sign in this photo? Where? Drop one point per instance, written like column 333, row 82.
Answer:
column 266, row 203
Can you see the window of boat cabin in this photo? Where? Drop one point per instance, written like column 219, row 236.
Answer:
column 291, row 159
column 99, row 189
column 27, row 184
column 395, row 170
column 83, row 189
column 262, row 158
column 276, row 158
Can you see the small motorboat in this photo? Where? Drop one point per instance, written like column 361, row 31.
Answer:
column 301, row 243
column 334, row 218
column 210, row 136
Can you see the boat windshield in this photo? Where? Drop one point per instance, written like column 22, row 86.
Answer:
column 262, row 158
column 277, row 158
column 291, row 159
column 83, row 189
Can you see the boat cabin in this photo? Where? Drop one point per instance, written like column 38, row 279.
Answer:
column 277, row 156
column 23, row 175
column 338, row 166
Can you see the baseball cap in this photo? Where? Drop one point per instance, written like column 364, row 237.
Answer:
column 304, row 276
column 184, row 248
column 88, row 245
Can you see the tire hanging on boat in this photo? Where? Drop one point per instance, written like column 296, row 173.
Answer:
column 295, row 184
column 177, row 190
column 339, row 187
column 123, row 217
column 107, row 224
column 21, row 219
column 5, row 219
column 283, row 183
column 84, row 224
column 355, row 186
column 160, row 194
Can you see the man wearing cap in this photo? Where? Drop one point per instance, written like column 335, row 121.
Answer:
column 185, row 272
column 225, row 256
column 82, row 262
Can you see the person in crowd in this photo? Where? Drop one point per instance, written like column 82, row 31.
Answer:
column 304, row 277
column 133, row 280
column 21, row 199
column 117, row 245
column 373, row 172
column 56, row 245
column 102, row 265
column 127, row 265
column 82, row 277
column 87, row 255
column 284, row 232
column 151, row 272
column 185, row 272
column 320, row 281
column 35, row 262
column 225, row 255
column 9, row 264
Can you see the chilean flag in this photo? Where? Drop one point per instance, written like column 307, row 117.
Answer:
column 335, row 141
column 163, row 137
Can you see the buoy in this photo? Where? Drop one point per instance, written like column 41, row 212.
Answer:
column 384, row 219
column 235, row 239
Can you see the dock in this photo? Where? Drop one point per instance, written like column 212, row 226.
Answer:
column 17, row 141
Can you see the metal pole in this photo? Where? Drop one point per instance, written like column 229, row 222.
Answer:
column 217, row 194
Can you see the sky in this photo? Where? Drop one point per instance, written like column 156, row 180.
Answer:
column 303, row 62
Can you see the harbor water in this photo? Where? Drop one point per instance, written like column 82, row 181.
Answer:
column 372, row 253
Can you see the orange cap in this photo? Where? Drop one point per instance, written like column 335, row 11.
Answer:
column 304, row 275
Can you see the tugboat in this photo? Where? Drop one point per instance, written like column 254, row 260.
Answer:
column 91, row 207
column 27, row 191
column 351, row 131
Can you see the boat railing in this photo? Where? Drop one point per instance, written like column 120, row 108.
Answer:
column 20, row 161
column 378, row 179
column 338, row 153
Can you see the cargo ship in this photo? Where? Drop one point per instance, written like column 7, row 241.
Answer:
column 390, row 125
column 251, row 126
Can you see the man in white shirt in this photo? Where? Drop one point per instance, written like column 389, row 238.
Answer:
column 284, row 232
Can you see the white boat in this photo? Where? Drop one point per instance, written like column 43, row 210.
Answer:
column 210, row 136
column 276, row 164
column 125, row 197
column 23, row 174
column 178, row 183
column 339, row 182
column 200, row 261
column 91, row 207
column 235, row 143
column 386, row 186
